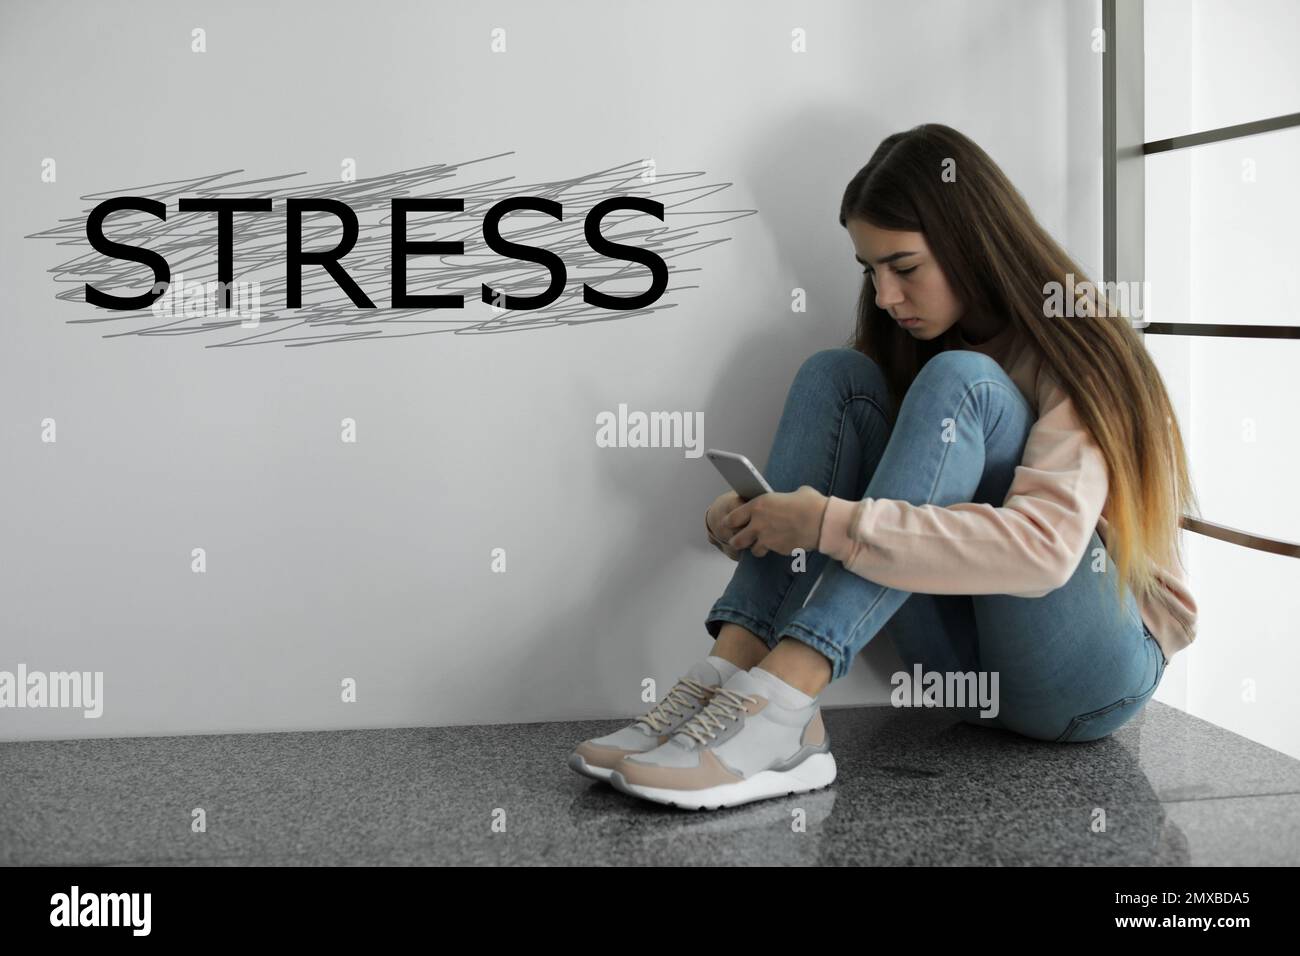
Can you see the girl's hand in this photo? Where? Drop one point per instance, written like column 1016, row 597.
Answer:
column 777, row 521
column 722, row 506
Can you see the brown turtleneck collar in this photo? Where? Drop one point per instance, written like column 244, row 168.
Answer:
column 996, row 346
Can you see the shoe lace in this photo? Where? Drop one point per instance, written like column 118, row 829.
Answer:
column 666, row 711
column 725, row 707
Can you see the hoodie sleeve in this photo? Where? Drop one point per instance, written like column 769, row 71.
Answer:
column 1028, row 547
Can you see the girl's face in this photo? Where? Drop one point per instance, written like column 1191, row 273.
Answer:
column 908, row 281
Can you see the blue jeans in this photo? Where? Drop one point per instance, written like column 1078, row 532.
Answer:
column 1072, row 665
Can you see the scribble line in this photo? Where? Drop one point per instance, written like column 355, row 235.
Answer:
column 188, row 240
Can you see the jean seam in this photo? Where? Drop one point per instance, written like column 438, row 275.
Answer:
column 839, row 441
column 835, row 470
column 964, row 399
column 1081, row 720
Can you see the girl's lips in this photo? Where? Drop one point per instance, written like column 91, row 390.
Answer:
column 908, row 323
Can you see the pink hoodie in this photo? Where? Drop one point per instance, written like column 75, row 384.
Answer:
column 1030, row 545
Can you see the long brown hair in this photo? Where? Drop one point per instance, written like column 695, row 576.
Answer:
column 998, row 261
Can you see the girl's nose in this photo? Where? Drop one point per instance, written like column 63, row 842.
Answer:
column 888, row 294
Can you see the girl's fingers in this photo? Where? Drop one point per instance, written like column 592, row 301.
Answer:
column 737, row 519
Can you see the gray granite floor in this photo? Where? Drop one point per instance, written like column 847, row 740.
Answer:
column 914, row 787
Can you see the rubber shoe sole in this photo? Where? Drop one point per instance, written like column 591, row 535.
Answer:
column 815, row 773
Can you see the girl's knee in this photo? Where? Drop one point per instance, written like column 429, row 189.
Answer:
column 961, row 363
column 846, row 374
column 841, row 363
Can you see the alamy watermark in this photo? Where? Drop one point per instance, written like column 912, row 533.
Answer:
column 54, row 689
column 651, row 430
column 1071, row 299
column 961, row 689
column 179, row 299
column 75, row 908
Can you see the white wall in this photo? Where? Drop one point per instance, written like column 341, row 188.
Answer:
column 1222, row 248
column 371, row 561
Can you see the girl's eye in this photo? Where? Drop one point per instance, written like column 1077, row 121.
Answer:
column 901, row 272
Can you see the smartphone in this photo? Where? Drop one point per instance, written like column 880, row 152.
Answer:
column 740, row 473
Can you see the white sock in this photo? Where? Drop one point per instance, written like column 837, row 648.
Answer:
column 782, row 693
column 723, row 666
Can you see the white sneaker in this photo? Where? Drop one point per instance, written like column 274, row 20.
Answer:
column 598, row 756
column 742, row 746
